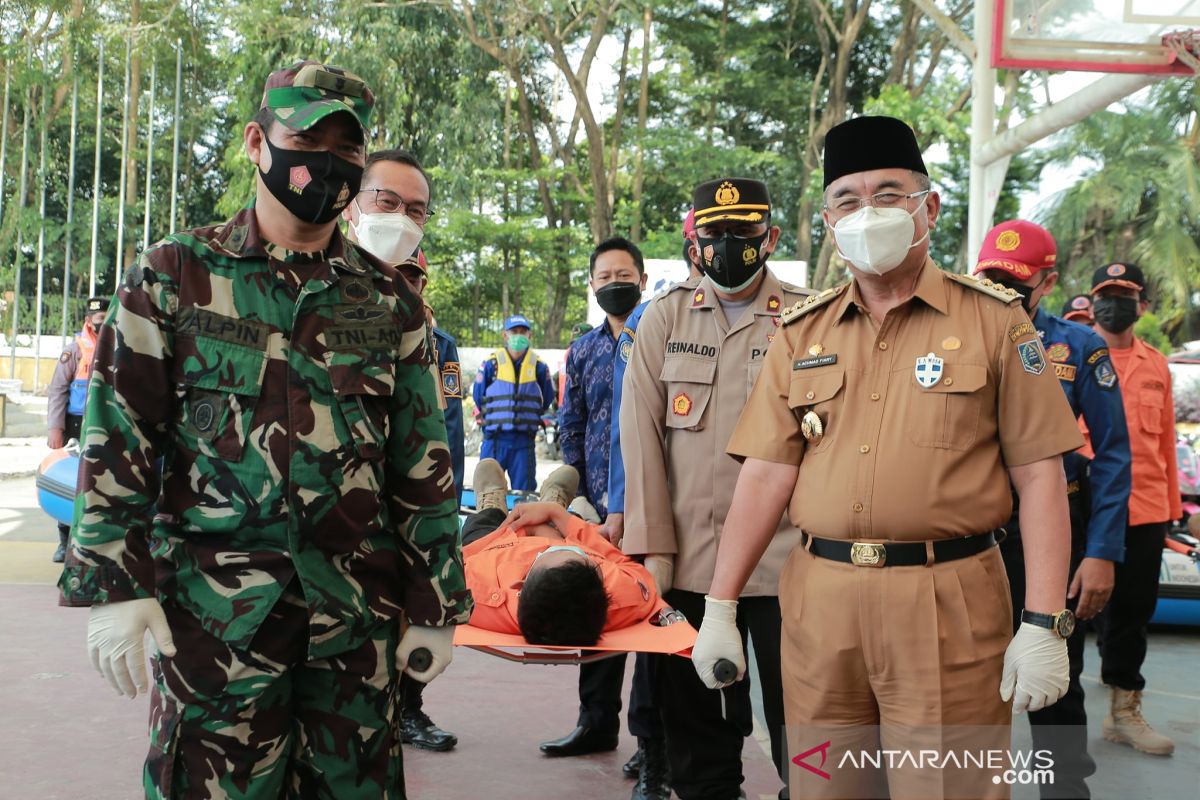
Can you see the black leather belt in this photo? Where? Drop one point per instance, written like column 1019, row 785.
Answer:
column 900, row 554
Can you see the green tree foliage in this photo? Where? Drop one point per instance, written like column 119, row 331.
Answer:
column 540, row 139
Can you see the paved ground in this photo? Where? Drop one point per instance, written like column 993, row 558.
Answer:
column 66, row 735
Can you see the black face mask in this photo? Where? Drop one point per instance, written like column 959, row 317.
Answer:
column 96, row 327
column 313, row 185
column 1115, row 314
column 618, row 298
column 731, row 262
column 1026, row 293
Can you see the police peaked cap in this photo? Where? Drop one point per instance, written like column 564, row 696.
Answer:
column 736, row 199
column 96, row 304
column 867, row 143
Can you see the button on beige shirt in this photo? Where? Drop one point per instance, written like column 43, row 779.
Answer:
column 921, row 413
column 688, row 379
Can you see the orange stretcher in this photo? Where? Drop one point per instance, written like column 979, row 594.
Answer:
column 665, row 631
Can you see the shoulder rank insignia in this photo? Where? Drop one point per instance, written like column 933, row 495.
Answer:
column 810, row 303
column 990, row 288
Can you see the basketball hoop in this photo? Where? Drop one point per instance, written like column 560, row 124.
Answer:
column 1184, row 46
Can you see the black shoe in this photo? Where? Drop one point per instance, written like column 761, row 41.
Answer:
column 417, row 729
column 654, row 778
column 581, row 741
column 64, row 539
column 633, row 766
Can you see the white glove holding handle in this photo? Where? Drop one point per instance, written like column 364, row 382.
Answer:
column 719, row 641
column 424, row 652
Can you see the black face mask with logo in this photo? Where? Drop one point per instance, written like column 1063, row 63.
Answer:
column 313, row 185
column 618, row 298
column 1115, row 314
column 732, row 262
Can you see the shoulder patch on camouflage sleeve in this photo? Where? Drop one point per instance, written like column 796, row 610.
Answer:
column 993, row 290
column 810, row 303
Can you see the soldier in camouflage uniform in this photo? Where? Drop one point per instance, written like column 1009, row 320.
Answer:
column 305, row 502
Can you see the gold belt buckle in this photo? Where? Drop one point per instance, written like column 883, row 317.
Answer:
column 865, row 554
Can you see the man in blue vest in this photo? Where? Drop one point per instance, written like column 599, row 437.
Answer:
column 512, row 389
column 1021, row 255
column 68, row 391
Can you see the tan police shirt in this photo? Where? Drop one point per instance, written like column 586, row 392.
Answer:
column 920, row 413
column 688, row 379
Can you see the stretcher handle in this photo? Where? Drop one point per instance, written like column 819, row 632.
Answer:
column 724, row 670
column 420, row 659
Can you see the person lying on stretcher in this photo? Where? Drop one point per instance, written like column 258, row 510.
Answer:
column 546, row 574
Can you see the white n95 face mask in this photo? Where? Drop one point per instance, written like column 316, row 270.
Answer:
column 876, row 240
column 391, row 238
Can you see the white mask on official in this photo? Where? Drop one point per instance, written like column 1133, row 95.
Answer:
column 391, row 238
column 877, row 240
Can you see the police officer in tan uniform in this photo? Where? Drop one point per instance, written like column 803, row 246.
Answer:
column 889, row 416
column 699, row 350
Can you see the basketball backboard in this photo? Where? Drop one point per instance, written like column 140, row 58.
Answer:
column 1092, row 35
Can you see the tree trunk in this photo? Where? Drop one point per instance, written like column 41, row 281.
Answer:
column 131, row 141
column 618, row 116
column 639, row 174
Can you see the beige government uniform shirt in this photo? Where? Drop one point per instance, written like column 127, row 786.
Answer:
column 905, row 457
column 688, row 379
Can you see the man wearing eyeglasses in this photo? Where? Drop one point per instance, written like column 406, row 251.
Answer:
column 888, row 418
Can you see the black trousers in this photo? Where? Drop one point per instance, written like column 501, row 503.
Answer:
column 1062, row 727
column 476, row 527
column 600, row 696
column 1122, row 625
column 705, row 729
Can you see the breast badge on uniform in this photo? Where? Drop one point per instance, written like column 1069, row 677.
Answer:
column 452, row 380
column 1058, row 351
column 356, row 290
column 816, row 349
column 929, row 370
column 951, row 343
column 626, row 351
column 681, row 405
column 1032, row 358
column 1105, row 375
column 811, row 427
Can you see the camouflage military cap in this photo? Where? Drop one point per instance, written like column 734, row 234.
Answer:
column 306, row 92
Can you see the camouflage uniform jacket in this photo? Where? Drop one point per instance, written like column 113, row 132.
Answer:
column 294, row 406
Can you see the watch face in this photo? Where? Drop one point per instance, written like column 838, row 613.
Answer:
column 1064, row 623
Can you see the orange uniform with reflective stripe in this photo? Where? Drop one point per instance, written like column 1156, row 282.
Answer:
column 1150, row 411
column 497, row 564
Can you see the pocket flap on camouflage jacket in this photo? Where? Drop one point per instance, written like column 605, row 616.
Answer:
column 221, row 366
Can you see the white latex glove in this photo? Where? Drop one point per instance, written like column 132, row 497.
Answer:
column 115, row 636
column 718, row 639
column 1036, row 669
column 438, row 641
column 661, row 567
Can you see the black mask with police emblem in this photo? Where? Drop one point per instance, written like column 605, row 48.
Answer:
column 313, row 185
column 732, row 262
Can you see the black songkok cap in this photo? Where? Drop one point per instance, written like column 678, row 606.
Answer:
column 866, row 143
